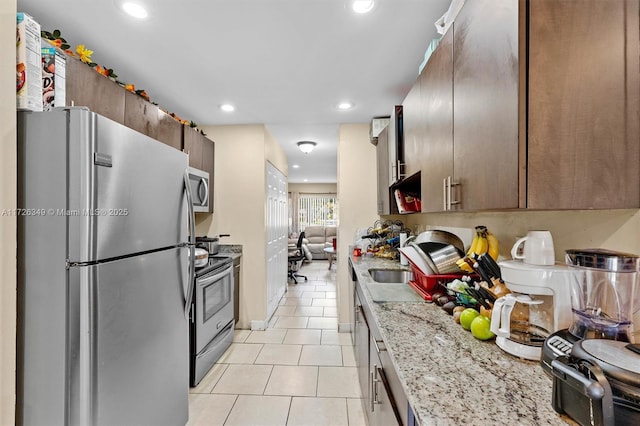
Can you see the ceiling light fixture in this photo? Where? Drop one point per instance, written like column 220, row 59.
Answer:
column 345, row 106
column 362, row 6
column 306, row 146
column 134, row 9
column 296, row 166
column 227, row 107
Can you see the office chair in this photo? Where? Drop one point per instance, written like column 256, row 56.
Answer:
column 294, row 258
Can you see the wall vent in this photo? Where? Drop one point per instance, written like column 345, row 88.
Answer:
column 377, row 125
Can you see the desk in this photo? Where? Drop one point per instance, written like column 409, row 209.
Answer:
column 331, row 255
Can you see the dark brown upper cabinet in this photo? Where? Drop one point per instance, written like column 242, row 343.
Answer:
column 530, row 104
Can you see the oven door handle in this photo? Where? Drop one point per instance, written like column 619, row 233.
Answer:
column 206, row 281
column 212, row 346
column 191, row 247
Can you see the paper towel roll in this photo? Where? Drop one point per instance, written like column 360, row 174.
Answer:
column 403, row 240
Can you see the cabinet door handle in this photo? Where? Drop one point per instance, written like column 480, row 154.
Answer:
column 447, row 185
column 451, row 201
column 373, row 397
column 444, row 194
column 399, row 167
column 375, row 343
column 448, row 192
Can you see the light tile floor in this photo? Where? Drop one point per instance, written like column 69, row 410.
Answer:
column 299, row 371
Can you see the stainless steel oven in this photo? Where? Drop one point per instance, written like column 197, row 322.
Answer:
column 212, row 319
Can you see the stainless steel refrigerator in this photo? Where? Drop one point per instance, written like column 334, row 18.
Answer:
column 103, row 272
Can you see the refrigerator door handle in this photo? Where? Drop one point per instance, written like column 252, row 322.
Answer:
column 192, row 246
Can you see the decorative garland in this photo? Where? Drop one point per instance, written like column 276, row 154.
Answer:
column 84, row 55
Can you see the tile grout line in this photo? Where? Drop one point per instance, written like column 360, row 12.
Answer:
column 235, row 401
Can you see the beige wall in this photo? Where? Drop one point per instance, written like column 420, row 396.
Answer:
column 612, row 229
column 314, row 188
column 8, row 172
column 239, row 209
column 358, row 203
column 275, row 154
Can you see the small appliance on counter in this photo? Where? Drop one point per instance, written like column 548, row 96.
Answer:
column 211, row 244
column 599, row 384
column 595, row 364
column 602, row 295
column 540, row 305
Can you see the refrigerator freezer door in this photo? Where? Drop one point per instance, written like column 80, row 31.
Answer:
column 127, row 189
column 131, row 354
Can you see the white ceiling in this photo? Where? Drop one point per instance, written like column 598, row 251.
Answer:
column 284, row 63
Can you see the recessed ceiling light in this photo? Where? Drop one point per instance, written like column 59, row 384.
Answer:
column 227, row 107
column 362, row 6
column 305, row 180
column 296, row 166
column 345, row 105
column 135, row 9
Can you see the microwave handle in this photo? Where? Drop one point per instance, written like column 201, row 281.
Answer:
column 205, row 196
column 191, row 246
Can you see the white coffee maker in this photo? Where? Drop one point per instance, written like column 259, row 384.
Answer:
column 540, row 304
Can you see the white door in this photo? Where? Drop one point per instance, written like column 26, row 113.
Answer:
column 277, row 233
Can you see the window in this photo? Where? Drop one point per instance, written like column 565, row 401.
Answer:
column 317, row 209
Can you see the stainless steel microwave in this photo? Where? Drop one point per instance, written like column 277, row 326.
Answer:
column 199, row 181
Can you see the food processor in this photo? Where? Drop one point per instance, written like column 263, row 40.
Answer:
column 539, row 305
column 602, row 300
column 595, row 363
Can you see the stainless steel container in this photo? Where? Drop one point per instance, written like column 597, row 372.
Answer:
column 443, row 260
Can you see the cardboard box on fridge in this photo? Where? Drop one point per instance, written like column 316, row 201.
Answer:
column 28, row 63
column 53, row 77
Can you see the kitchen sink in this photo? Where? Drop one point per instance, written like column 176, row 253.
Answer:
column 390, row 275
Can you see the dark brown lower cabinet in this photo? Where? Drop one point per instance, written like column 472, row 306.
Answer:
column 383, row 399
column 236, row 288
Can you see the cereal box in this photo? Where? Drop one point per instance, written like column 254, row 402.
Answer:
column 28, row 63
column 53, row 77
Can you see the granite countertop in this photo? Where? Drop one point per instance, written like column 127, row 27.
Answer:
column 234, row 251
column 449, row 377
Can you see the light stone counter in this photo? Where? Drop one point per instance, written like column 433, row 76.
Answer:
column 449, row 377
column 234, row 251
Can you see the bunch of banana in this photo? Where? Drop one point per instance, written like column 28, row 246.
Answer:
column 483, row 242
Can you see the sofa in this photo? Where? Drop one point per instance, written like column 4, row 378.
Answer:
column 316, row 238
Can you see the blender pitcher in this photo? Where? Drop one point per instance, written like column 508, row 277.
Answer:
column 603, row 293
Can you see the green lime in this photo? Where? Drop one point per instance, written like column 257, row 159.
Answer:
column 467, row 316
column 481, row 328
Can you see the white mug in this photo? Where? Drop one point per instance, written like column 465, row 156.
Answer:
column 538, row 248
